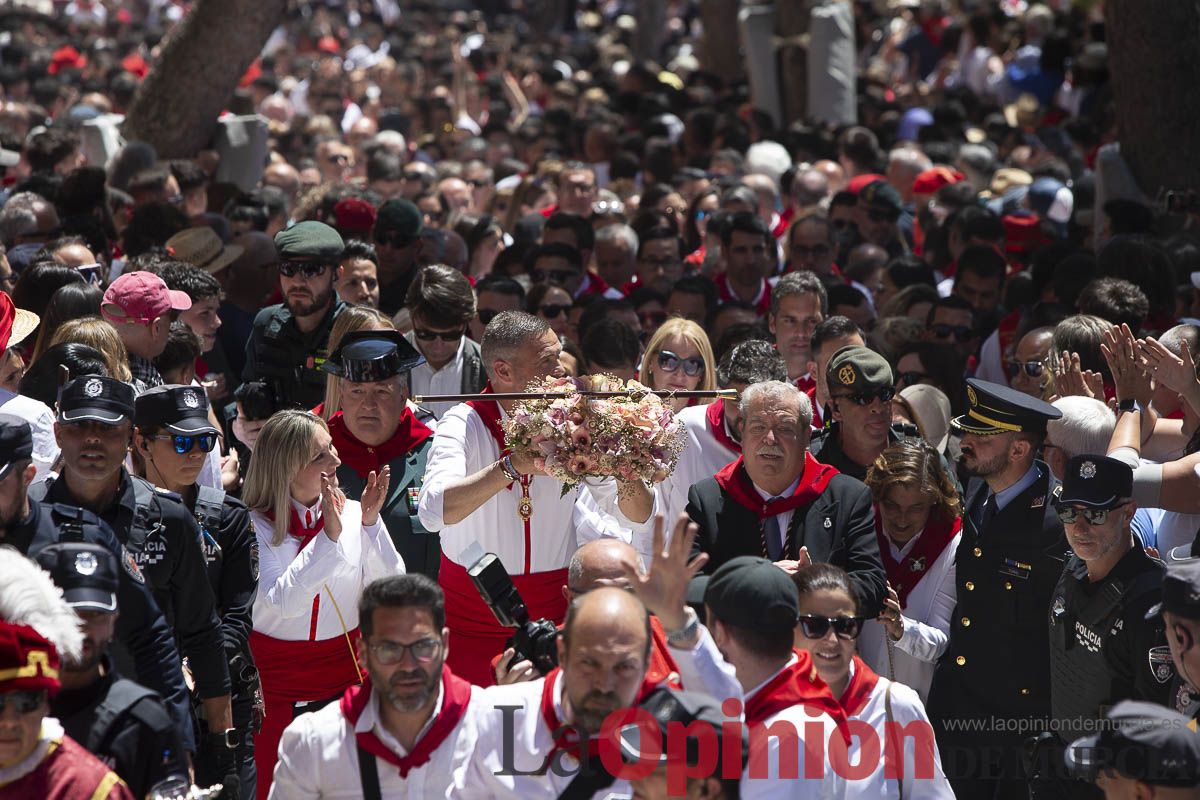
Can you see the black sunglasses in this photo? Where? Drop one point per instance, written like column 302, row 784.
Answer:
column 912, row 378
column 1094, row 516
column 184, row 444
column 26, row 701
column 1033, row 369
column 866, row 398
column 445, row 336
column 669, row 362
column 553, row 310
column 309, row 269
column 486, row 315
column 817, row 251
column 961, row 333
column 815, row 627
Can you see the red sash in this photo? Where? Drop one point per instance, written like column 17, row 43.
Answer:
column 904, row 575
column 456, row 695
column 762, row 304
column 796, row 684
column 858, row 691
column 568, row 740
column 737, row 484
column 365, row 459
column 715, row 414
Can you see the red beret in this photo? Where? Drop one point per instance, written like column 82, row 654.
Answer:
column 1022, row 233
column 66, row 58
column 354, row 215
column 857, row 184
column 933, row 179
column 28, row 661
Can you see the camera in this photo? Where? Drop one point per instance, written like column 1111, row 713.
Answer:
column 535, row 640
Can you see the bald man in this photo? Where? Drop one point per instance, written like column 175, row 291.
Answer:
column 603, row 652
column 284, row 177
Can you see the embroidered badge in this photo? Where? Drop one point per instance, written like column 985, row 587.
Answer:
column 917, row 564
column 131, row 567
column 971, row 397
column 190, row 399
column 93, row 388
column 85, row 564
column 1087, row 470
column 1038, row 502
column 1161, row 666
column 846, row 375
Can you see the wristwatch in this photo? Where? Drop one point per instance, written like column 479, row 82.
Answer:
column 683, row 636
column 1128, row 404
column 229, row 738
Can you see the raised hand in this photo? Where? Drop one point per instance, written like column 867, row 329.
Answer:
column 1177, row 374
column 663, row 589
column 332, row 503
column 1120, row 350
column 374, row 494
column 507, row 672
column 1069, row 376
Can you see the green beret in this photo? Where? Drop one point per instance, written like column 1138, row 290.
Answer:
column 309, row 239
column 880, row 195
column 855, row 370
column 398, row 216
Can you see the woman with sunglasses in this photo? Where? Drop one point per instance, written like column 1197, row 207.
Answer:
column 172, row 439
column 317, row 550
column 829, row 624
column 678, row 356
column 918, row 519
column 553, row 304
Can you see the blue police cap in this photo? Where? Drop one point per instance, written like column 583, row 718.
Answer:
column 369, row 356
column 94, row 398
column 998, row 409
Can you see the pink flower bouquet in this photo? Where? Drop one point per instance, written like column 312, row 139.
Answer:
column 573, row 437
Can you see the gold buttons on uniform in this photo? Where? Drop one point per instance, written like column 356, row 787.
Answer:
column 978, row 552
column 966, row 622
column 961, row 660
column 1008, row 586
column 970, row 586
column 1024, row 693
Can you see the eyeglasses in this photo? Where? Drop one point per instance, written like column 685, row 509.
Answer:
column 866, row 398
column 91, row 272
column 553, row 310
column 661, row 263
column 309, row 269
column 412, row 176
column 558, row 276
column 446, row 336
column 815, row 627
column 1094, row 516
column 817, row 251
column 1033, row 369
column 26, row 701
column 961, row 333
column 184, row 444
column 651, row 319
column 669, row 362
column 486, row 315
column 423, row 650
column 912, row 378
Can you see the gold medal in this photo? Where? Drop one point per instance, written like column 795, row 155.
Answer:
column 525, row 508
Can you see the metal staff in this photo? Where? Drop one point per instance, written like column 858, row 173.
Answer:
column 723, row 394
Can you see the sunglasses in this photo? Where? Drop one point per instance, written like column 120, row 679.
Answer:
column 26, row 701
column 412, row 176
column 486, row 315
column 961, row 333
column 1094, row 516
column 1033, row 369
column 553, row 310
column 446, row 336
column 818, row 251
column 815, row 627
column 184, row 444
column 912, row 378
column 91, row 273
column 309, row 269
column 559, row 276
column 669, row 362
column 389, row 653
column 866, row 398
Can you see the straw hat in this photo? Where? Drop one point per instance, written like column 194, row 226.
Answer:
column 202, row 247
column 24, row 323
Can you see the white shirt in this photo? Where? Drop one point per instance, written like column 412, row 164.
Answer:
column 318, row 757
column 926, row 621
column 510, row 718
column 41, row 421
column 289, row 578
column 463, row 446
column 784, row 517
column 447, row 380
column 991, row 361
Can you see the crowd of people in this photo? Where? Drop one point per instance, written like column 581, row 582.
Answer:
column 942, row 539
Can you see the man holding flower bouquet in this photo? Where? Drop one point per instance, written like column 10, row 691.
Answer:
column 478, row 493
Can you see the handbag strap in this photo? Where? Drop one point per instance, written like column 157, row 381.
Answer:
column 888, row 740
column 368, row 774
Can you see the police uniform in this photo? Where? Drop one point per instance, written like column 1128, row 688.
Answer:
column 121, row 722
column 278, row 352
column 1181, row 597
column 368, row 357
column 158, row 532
column 141, row 628
column 997, row 662
column 231, row 554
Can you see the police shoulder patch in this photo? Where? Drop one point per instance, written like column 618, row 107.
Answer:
column 130, row 566
column 1161, row 666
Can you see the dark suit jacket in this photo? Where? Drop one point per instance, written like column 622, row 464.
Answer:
column 838, row 528
column 473, row 376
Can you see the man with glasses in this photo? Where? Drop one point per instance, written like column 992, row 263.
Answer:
column 576, row 189
column 860, row 395
column 811, row 246
column 140, row 306
column 951, row 320
column 397, row 236
column 1007, row 565
column 494, row 294
column 1102, row 648
column 289, row 341
column 558, row 263
column 659, row 261
column 441, row 303
column 405, row 731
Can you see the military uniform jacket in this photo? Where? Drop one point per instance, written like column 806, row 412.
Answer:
column 998, row 661
column 288, row 359
column 1103, row 649
column 166, row 545
column 826, row 447
column 837, row 528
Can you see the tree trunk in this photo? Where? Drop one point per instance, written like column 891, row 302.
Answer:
column 177, row 105
column 1152, row 62
column 719, row 51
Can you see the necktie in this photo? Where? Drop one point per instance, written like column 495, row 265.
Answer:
column 774, row 537
column 985, row 512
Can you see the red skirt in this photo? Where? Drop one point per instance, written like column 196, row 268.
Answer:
column 296, row 672
column 475, row 635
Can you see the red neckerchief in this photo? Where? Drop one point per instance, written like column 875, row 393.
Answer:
column 808, row 385
column 595, row 285
column 736, row 482
column 456, row 695
column 662, row 669
column 906, row 574
column 303, row 532
column 716, row 426
column 567, row 741
column 364, row 458
column 858, row 691
column 489, row 412
column 795, row 685
column 725, row 294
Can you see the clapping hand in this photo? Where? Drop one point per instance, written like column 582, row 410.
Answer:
column 1121, row 350
column 332, row 503
column 1071, row 379
column 663, row 589
column 1177, row 374
column 374, row 495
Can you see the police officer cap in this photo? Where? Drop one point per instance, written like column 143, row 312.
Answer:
column 751, row 592
column 94, row 398
column 1095, row 481
column 368, row 356
column 16, row 442
column 1180, row 590
column 86, row 573
column 180, row 409
column 666, row 705
column 857, row 370
column 1143, row 741
column 994, row 408
column 309, row 240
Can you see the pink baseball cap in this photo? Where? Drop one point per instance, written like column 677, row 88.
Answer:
column 141, row 297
